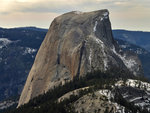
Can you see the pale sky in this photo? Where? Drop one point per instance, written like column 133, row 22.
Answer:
column 124, row 14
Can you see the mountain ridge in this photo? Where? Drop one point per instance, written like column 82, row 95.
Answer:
column 115, row 91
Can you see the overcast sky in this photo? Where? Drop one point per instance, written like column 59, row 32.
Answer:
column 124, row 14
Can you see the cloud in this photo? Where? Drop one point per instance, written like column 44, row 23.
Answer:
column 123, row 13
column 27, row 19
column 57, row 6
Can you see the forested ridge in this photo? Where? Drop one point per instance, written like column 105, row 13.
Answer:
column 47, row 103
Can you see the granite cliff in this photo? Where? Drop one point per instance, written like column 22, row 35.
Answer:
column 76, row 43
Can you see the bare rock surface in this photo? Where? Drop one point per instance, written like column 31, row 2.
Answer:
column 96, row 103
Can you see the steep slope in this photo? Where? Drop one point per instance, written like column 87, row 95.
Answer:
column 18, row 47
column 75, row 44
column 143, row 55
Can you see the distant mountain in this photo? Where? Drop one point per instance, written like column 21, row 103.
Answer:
column 18, row 47
column 32, row 28
column 138, row 38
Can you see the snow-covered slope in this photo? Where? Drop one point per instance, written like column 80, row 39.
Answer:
column 143, row 55
column 135, row 91
column 110, row 95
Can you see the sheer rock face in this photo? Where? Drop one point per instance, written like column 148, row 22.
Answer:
column 75, row 44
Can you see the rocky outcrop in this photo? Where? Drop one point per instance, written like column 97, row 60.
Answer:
column 75, row 44
column 95, row 103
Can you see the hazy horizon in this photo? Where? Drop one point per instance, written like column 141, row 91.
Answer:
column 48, row 28
column 124, row 14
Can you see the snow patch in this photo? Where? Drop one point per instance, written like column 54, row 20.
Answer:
column 78, row 12
column 94, row 29
column 135, row 83
column 129, row 63
column 119, row 108
column 102, row 19
column 125, row 96
column 98, row 40
column 29, row 51
column 119, row 83
column 109, row 95
column 139, row 51
column 90, row 56
column 6, row 104
column 137, row 98
column 105, row 64
column 106, row 93
column 4, row 42
column 123, row 46
column 105, row 16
